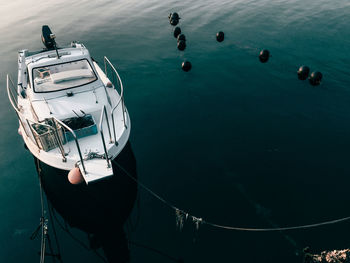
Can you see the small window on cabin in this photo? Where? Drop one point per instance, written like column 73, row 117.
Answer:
column 63, row 76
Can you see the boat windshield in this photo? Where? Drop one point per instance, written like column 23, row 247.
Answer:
column 63, row 76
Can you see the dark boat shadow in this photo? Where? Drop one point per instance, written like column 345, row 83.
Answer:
column 99, row 209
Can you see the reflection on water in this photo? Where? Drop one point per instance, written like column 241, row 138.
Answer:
column 230, row 121
column 99, row 209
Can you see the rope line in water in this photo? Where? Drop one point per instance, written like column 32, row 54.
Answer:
column 182, row 216
column 43, row 226
column 331, row 222
column 44, row 229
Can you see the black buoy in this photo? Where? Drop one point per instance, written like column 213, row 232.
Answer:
column 303, row 72
column 177, row 31
column 174, row 22
column 264, row 55
column 181, row 45
column 186, row 66
column 181, row 37
column 174, row 16
column 315, row 78
column 220, row 36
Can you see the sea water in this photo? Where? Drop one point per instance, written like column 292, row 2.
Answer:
column 233, row 141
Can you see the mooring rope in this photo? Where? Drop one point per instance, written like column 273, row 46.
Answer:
column 331, row 222
column 43, row 222
column 182, row 216
column 43, row 226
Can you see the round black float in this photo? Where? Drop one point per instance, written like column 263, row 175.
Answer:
column 181, row 45
column 186, row 66
column 264, row 55
column 315, row 78
column 303, row 72
column 177, row 31
column 174, row 22
column 174, row 16
column 220, row 36
column 181, row 37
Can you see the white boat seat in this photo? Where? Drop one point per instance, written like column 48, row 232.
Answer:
column 70, row 75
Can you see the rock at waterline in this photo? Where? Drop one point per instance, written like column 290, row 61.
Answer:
column 334, row 256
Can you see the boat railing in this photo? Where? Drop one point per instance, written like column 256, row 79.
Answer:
column 12, row 91
column 53, row 130
column 75, row 139
column 53, row 133
column 105, row 116
column 113, row 75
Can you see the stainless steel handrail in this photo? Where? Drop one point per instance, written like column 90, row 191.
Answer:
column 55, row 135
column 121, row 99
column 75, row 139
column 58, row 139
column 19, row 115
column 10, row 94
column 31, row 130
column 12, row 99
column 34, row 112
column 104, row 113
column 112, row 114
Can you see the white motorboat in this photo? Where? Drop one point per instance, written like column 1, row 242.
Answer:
column 71, row 112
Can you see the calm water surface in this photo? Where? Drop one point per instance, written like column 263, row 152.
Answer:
column 233, row 141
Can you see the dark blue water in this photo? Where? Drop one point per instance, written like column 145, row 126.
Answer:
column 233, row 141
